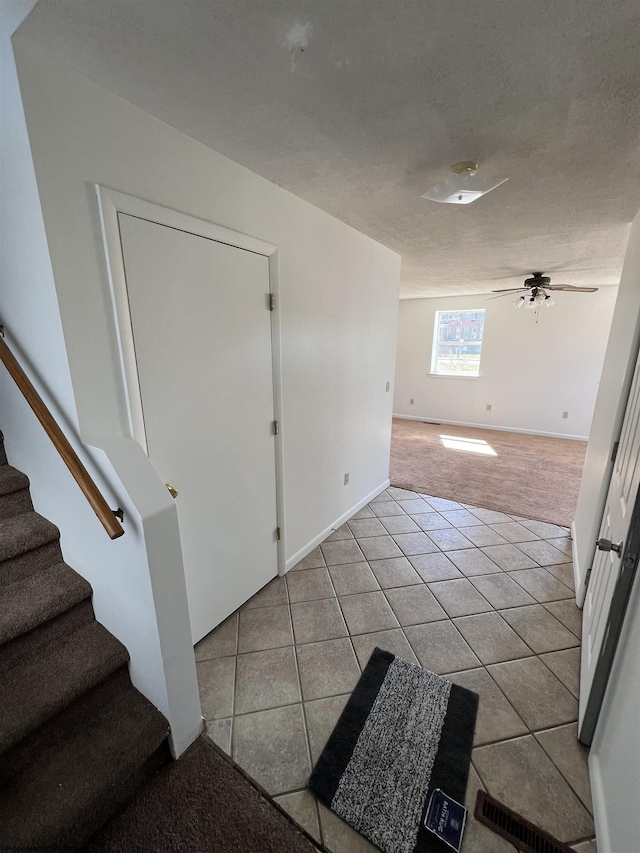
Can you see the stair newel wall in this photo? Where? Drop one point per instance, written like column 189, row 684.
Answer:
column 76, row 738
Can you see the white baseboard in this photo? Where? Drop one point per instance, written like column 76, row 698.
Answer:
column 492, row 426
column 299, row 555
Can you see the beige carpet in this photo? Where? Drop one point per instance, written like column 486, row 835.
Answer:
column 530, row 475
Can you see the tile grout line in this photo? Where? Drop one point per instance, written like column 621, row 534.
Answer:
column 486, row 787
column 532, row 732
column 433, row 621
column 544, row 604
column 515, row 572
column 529, row 731
column 577, row 698
column 344, row 618
column 550, row 757
column 446, row 618
column 308, row 743
column 528, row 645
column 419, row 583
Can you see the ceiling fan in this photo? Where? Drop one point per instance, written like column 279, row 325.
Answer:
column 537, row 286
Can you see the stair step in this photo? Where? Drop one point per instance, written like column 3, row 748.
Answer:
column 25, row 753
column 25, row 533
column 29, row 544
column 81, row 768
column 28, row 603
column 12, row 480
column 42, row 686
column 37, row 642
column 14, row 492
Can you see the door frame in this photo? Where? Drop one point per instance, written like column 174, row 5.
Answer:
column 110, row 204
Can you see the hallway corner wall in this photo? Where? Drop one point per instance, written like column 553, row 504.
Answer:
column 117, row 570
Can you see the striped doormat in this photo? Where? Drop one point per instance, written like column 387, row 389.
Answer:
column 403, row 733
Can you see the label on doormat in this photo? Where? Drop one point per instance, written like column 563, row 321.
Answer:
column 446, row 818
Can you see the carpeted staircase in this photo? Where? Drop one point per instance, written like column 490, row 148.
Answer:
column 77, row 740
column 80, row 748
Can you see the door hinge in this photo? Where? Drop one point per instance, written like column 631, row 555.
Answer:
column 614, row 452
column 275, row 427
column 272, row 302
column 278, row 533
column 588, row 577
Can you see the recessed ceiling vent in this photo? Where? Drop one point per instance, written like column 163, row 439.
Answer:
column 463, row 185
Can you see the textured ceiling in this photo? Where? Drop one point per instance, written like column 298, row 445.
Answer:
column 358, row 106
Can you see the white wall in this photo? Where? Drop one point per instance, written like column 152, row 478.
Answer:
column 617, row 373
column 530, row 373
column 124, row 597
column 338, row 289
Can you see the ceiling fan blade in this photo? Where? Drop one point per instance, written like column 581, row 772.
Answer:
column 496, row 273
column 571, row 287
column 509, row 289
column 506, row 293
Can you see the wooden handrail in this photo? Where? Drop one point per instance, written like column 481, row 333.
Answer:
column 60, row 442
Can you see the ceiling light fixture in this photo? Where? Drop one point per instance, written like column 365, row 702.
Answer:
column 534, row 299
column 463, row 185
column 536, row 288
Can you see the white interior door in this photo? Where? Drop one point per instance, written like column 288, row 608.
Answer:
column 202, row 335
column 606, row 567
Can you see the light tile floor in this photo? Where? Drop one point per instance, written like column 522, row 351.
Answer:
column 479, row 596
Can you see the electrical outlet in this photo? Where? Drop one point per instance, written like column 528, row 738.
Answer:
column 346, row 479
column 488, row 407
column 388, row 387
column 411, row 401
column 565, row 415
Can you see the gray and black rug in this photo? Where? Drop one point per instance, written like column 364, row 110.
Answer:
column 403, row 733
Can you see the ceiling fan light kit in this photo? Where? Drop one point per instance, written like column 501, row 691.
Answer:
column 462, row 186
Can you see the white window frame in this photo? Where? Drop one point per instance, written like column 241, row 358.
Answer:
column 481, row 312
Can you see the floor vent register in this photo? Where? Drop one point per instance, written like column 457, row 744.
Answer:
column 524, row 835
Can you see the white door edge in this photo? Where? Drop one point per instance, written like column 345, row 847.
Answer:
column 579, row 577
column 110, row 204
column 599, row 806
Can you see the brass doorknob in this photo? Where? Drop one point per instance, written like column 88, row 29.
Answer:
column 172, row 490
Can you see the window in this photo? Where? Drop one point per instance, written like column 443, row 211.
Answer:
column 457, row 342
